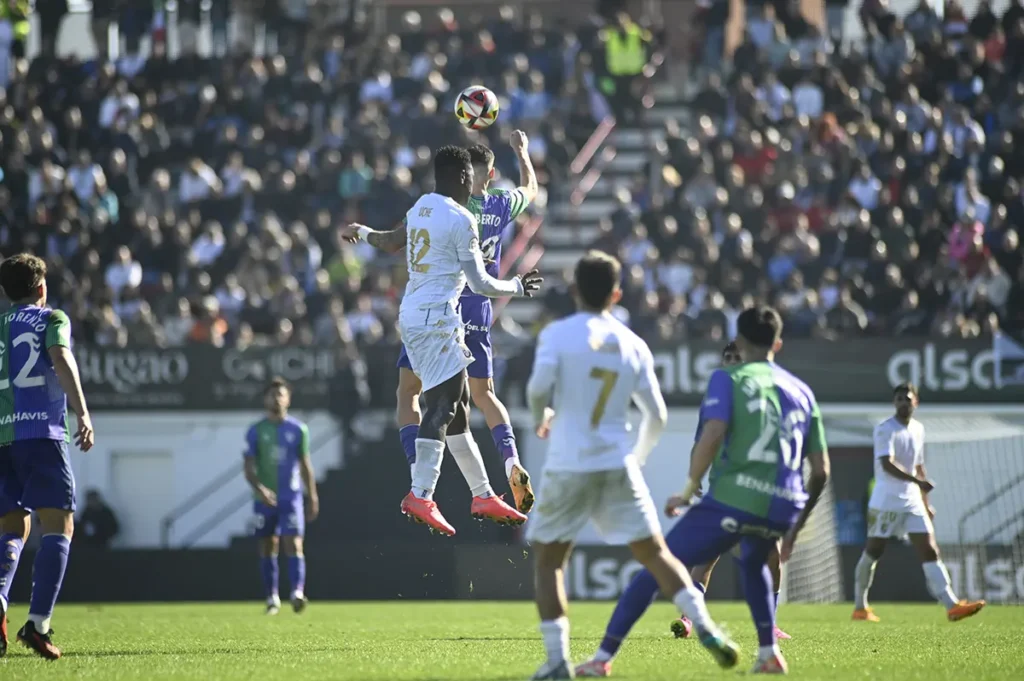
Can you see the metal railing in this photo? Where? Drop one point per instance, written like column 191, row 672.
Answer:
column 986, row 504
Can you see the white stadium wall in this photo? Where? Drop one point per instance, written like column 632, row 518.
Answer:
column 146, row 465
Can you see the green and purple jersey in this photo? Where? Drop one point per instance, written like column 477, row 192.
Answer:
column 32, row 403
column 494, row 212
column 773, row 422
column 277, row 448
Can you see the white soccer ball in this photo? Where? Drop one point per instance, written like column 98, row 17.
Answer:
column 476, row 107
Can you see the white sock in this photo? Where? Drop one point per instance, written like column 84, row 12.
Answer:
column 466, row 453
column 765, row 652
column 603, row 655
column 3, row 604
column 556, row 639
column 690, row 602
column 937, row 578
column 509, row 463
column 427, row 469
column 863, row 575
column 42, row 623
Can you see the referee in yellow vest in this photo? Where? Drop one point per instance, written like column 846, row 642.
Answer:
column 14, row 29
column 625, row 49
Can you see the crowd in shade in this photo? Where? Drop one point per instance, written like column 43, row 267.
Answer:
column 200, row 199
column 879, row 192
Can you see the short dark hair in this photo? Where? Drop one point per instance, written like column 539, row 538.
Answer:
column 481, row 155
column 450, row 162
column 760, row 325
column 905, row 387
column 276, row 383
column 21, row 276
column 597, row 276
column 730, row 348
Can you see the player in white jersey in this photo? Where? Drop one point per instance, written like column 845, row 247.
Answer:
column 588, row 369
column 443, row 253
column 899, row 507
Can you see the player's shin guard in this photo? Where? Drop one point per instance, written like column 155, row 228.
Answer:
column 939, row 587
column 297, row 574
column 10, row 553
column 269, row 570
column 427, row 468
column 863, row 576
column 635, row 600
column 505, row 442
column 47, row 576
column 467, row 455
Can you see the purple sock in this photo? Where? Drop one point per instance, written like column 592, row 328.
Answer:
column 297, row 573
column 757, row 587
column 10, row 553
column 635, row 600
column 408, row 435
column 505, row 441
column 268, row 566
column 48, row 573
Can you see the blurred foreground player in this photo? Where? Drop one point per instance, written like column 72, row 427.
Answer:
column 443, row 255
column 495, row 211
column 38, row 378
column 899, row 506
column 590, row 367
column 760, row 422
column 276, row 458
column 702, row 573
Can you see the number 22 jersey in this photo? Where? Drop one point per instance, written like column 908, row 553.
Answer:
column 32, row 403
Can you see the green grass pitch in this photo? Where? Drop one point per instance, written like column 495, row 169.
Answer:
column 483, row 641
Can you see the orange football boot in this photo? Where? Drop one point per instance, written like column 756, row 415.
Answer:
column 522, row 491
column 425, row 511
column 964, row 609
column 867, row 615
column 493, row 508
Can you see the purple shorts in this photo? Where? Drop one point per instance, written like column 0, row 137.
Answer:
column 287, row 519
column 36, row 474
column 708, row 529
column 477, row 316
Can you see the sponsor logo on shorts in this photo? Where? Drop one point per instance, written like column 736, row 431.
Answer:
column 730, row 524
column 20, row 416
column 476, row 327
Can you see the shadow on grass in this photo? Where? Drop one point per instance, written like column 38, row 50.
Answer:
column 191, row 652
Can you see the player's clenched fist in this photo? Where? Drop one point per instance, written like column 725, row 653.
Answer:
column 531, row 282
column 519, row 140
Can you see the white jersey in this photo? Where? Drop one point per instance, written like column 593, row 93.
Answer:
column 905, row 444
column 591, row 366
column 442, row 235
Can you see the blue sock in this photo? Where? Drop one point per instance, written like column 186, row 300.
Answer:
column 635, row 600
column 699, row 587
column 408, row 435
column 505, row 441
column 297, row 573
column 10, row 553
column 48, row 574
column 269, row 568
column 757, row 589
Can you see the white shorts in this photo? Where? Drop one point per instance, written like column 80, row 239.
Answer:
column 618, row 502
column 885, row 524
column 436, row 345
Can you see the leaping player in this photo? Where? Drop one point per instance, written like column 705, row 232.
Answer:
column 702, row 573
column 760, row 423
column 276, row 459
column 443, row 254
column 495, row 210
column 899, row 506
column 587, row 371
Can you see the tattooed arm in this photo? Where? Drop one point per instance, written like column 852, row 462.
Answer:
column 391, row 241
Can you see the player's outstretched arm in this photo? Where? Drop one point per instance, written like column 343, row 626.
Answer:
column 390, row 241
column 66, row 368
column 521, row 285
column 528, row 185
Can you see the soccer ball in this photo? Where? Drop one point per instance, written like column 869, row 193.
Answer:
column 476, row 107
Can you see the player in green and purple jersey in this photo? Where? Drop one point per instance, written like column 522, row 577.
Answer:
column 760, row 423
column 277, row 465
column 38, row 378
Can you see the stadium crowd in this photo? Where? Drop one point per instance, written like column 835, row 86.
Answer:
column 200, row 200
column 878, row 192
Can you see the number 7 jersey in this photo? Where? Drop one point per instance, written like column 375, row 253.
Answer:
column 32, row 403
column 773, row 422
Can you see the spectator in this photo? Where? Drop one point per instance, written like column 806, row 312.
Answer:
column 97, row 522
